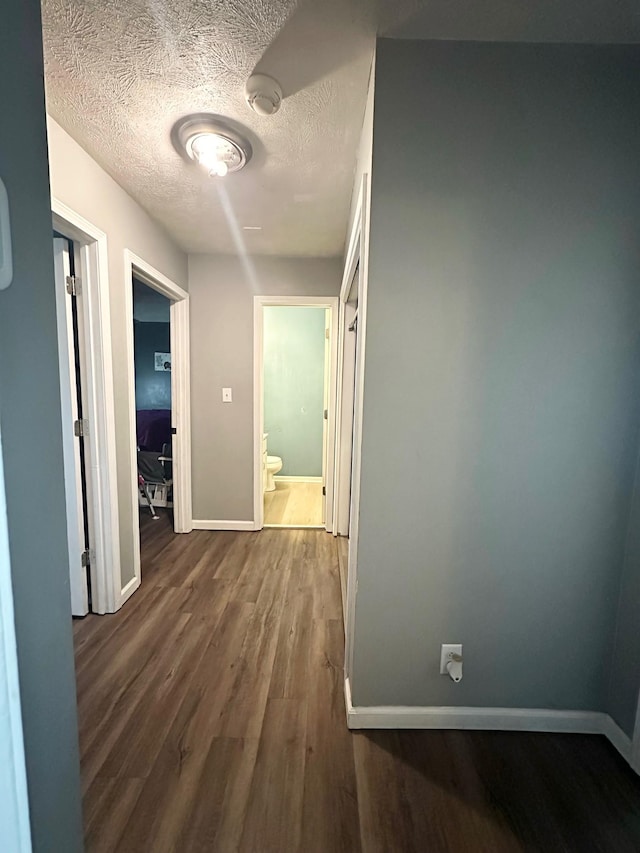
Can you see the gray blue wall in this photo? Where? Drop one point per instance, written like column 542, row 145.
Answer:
column 222, row 288
column 624, row 682
column 294, row 345
column 32, row 446
column 502, row 382
column 153, row 387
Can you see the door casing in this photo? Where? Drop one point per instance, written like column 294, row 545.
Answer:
column 330, row 303
column 180, row 401
column 90, row 254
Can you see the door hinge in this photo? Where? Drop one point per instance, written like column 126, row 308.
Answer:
column 324, row 491
column 85, row 558
column 80, row 428
column 73, row 285
column 326, row 334
column 326, row 414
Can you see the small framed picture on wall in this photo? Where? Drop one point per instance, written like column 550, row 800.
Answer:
column 162, row 361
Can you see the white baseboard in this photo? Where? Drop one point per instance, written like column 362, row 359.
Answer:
column 488, row 719
column 286, row 479
column 200, row 524
column 614, row 734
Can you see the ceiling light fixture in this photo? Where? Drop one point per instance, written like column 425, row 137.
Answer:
column 212, row 144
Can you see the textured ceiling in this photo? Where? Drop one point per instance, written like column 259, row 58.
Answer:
column 119, row 73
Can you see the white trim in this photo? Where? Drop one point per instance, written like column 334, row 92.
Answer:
column 128, row 589
column 635, row 741
column 294, row 526
column 91, row 255
column 487, row 719
column 498, row 719
column 180, row 399
column 199, row 524
column 259, row 303
column 16, row 829
column 614, row 734
column 345, row 393
column 181, row 415
column 287, row 479
column 258, row 417
column 358, row 253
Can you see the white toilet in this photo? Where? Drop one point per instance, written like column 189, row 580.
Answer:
column 272, row 464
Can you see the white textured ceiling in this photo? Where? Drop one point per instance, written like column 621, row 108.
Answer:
column 119, row 73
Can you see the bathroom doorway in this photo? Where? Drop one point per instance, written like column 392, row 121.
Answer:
column 295, row 367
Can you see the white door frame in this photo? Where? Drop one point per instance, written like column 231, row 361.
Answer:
column 357, row 253
column 330, row 303
column 180, row 399
column 345, row 394
column 90, row 254
column 634, row 758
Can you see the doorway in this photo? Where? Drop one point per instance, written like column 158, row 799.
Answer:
column 152, row 369
column 294, row 420
column 169, row 400
column 84, row 347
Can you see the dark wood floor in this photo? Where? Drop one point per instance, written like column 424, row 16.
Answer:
column 212, row 719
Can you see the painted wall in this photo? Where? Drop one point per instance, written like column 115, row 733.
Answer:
column 502, row 381
column 153, row 387
column 624, row 682
column 78, row 181
column 294, row 345
column 32, row 449
column 222, row 289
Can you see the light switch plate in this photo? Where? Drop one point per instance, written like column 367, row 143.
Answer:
column 227, row 396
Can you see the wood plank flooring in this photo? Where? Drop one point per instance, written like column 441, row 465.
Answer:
column 212, row 719
column 295, row 504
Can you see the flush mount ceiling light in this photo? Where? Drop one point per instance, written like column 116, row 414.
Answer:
column 205, row 140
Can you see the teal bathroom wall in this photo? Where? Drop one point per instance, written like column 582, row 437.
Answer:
column 294, row 387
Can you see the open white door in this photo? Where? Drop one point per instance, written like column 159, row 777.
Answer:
column 70, row 442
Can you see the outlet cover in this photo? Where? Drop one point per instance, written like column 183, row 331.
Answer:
column 447, row 650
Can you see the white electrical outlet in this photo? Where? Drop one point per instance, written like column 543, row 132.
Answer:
column 447, row 651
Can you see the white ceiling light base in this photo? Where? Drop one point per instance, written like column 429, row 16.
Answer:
column 209, row 142
column 263, row 94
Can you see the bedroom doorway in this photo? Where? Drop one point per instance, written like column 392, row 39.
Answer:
column 159, row 408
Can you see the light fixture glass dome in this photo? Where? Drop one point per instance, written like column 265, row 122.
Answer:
column 215, row 153
column 214, row 146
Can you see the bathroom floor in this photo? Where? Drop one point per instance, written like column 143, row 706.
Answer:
column 294, row 504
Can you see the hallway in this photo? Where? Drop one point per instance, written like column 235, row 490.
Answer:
column 212, row 719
